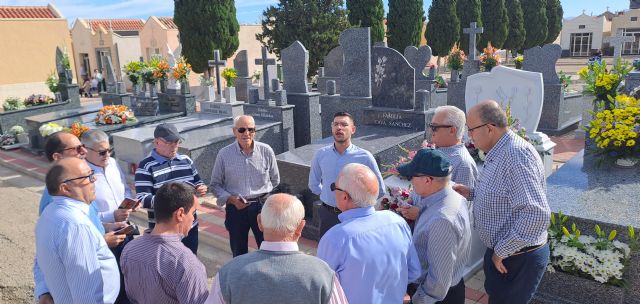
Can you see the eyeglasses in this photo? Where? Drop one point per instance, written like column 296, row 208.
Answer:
column 334, row 188
column 251, row 130
column 78, row 149
column 91, row 177
column 434, row 128
column 480, row 126
column 103, row 152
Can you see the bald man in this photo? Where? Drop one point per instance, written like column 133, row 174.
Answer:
column 371, row 251
column 244, row 173
column 259, row 276
column 510, row 208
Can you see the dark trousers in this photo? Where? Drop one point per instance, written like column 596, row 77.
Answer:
column 238, row 223
column 519, row 284
column 117, row 252
column 191, row 240
column 455, row 295
column 328, row 219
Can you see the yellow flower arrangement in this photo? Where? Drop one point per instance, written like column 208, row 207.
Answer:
column 602, row 82
column 615, row 131
column 230, row 75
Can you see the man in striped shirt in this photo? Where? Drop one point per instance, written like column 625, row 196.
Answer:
column 442, row 234
column 164, row 165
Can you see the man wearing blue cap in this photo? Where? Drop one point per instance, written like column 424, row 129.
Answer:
column 442, row 234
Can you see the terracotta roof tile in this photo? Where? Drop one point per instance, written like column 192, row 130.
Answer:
column 26, row 12
column 168, row 22
column 117, row 24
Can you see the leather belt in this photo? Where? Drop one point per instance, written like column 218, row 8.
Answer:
column 528, row 249
column 331, row 208
column 257, row 199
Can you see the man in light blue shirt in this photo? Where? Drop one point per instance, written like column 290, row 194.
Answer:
column 327, row 163
column 371, row 251
column 75, row 260
column 442, row 233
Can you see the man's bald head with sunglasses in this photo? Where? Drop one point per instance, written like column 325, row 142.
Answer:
column 61, row 144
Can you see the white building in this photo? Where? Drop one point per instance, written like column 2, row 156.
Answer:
column 584, row 34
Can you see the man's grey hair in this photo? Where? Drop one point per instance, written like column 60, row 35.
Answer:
column 492, row 113
column 353, row 179
column 282, row 213
column 454, row 117
column 237, row 118
column 91, row 138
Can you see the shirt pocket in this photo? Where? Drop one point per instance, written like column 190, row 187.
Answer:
column 259, row 173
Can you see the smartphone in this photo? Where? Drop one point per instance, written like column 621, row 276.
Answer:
column 128, row 203
column 126, row 230
column 244, row 200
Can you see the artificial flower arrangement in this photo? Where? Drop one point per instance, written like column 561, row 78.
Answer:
column 489, row 57
column 7, row 139
column 602, row 82
column 600, row 258
column 159, row 68
column 615, row 131
column 49, row 128
column 395, row 198
column 518, row 62
column 456, row 58
column 230, row 75
column 132, row 69
column 181, row 70
column 37, row 100
column 77, row 128
column 114, row 114
column 13, row 103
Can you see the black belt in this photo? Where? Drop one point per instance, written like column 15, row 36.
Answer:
column 528, row 249
column 258, row 199
column 332, row 208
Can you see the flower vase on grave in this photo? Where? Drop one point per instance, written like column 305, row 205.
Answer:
column 163, row 86
column 69, row 75
column 230, row 94
column 455, row 75
column 152, row 90
column 58, row 96
column 23, row 138
column 184, row 87
column 136, row 89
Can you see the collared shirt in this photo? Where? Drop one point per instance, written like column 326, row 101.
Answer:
column 510, row 205
column 337, row 294
column 464, row 170
column 75, row 260
column 373, row 255
column 442, row 236
column 111, row 189
column 327, row 163
column 156, row 170
column 160, row 269
column 45, row 200
column 236, row 173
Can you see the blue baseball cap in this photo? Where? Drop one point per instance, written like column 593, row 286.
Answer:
column 429, row 162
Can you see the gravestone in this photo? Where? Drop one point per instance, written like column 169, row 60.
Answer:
column 216, row 63
column 559, row 112
column 524, row 92
column 393, row 79
column 618, row 42
column 356, row 71
column 472, row 31
column 269, row 72
column 243, row 82
column 295, row 63
column 223, row 104
column 116, row 93
column 173, row 86
column 419, row 58
column 456, row 89
column 331, row 70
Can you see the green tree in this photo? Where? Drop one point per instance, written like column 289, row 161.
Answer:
column 206, row 26
column 516, row 35
column 316, row 24
column 468, row 11
column 404, row 23
column 367, row 13
column 495, row 22
column 554, row 20
column 443, row 29
column 535, row 22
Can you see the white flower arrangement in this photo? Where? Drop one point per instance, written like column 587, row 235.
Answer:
column 15, row 130
column 49, row 128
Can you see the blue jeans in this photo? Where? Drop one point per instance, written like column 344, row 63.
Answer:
column 519, row 284
column 238, row 223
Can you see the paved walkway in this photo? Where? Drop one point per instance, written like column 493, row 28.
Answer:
column 214, row 237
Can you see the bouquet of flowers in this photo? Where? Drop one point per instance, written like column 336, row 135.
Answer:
column 181, row 70
column 601, row 82
column 489, row 57
column 132, row 69
column 112, row 115
column 49, row 128
column 392, row 169
column 160, row 68
column 456, row 58
column 77, row 128
column 615, row 131
column 13, row 103
column 52, row 82
column 37, row 99
column 15, row 130
column 7, row 139
column 518, row 62
column 230, row 75
column 395, row 198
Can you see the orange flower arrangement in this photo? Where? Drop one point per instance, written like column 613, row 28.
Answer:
column 161, row 70
column 115, row 114
column 181, row 70
column 489, row 57
column 77, row 129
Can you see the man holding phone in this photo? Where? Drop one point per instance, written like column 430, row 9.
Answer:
column 244, row 173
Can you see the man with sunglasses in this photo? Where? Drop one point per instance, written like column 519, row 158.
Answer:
column 329, row 160
column 442, row 233
column 244, row 173
column 371, row 251
column 164, row 165
column 510, row 208
column 75, row 260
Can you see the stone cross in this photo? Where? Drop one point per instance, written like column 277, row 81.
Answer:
column 472, row 31
column 265, row 62
column 217, row 63
column 618, row 43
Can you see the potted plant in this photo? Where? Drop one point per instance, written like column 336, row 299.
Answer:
column 455, row 62
column 18, row 132
column 230, row 75
column 132, row 69
column 489, row 58
column 180, row 73
column 13, row 103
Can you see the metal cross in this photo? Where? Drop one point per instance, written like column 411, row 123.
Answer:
column 266, row 62
column 472, row 31
column 618, row 43
column 217, row 63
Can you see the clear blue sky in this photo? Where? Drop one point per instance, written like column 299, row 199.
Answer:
column 248, row 11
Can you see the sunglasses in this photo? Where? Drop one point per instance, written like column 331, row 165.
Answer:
column 78, row 148
column 334, row 188
column 103, row 152
column 91, row 177
column 434, row 128
column 242, row 130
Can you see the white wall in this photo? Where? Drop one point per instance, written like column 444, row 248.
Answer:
column 596, row 25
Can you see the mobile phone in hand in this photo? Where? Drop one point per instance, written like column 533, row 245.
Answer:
column 128, row 203
column 244, row 200
column 126, row 230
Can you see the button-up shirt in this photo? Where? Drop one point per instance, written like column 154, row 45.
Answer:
column 442, row 236
column 160, row 269
column 337, row 294
column 510, row 205
column 247, row 175
column 464, row 170
column 373, row 254
column 327, row 163
column 75, row 260
column 111, row 189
